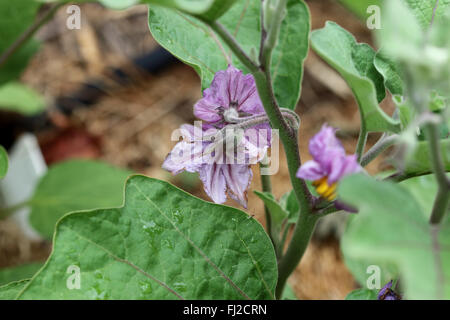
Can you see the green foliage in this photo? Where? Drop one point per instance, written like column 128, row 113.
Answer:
column 419, row 161
column 18, row 273
column 290, row 54
column 277, row 213
column 17, row 97
column 423, row 10
column 3, row 162
column 355, row 64
column 425, row 54
column 194, row 43
column 162, row 244
column 11, row 290
column 288, row 293
column 359, row 7
column 17, row 16
column 72, row 186
column 391, row 73
column 362, row 294
column 118, row 4
column 396, row 231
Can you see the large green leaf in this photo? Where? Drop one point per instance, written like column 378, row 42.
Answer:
column 17, row 97
column 18, row 273
column 162, row 244
column 355, row 64
column 17, row 16
column 194, row 43
column 290, row 53
column 11, row 290
column 3, row 162
column 72, row 186
column 391, row 228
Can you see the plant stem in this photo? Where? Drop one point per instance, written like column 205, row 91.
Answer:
column 233, row 44
column 361, row 140
column 381, row 145
column 442, row 199
column 29, row 32
column 297, row 247
column 267, row 187
column 289, row 138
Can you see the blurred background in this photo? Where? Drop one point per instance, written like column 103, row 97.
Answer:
column 111, row 93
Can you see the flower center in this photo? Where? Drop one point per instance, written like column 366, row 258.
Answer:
column 324, row 190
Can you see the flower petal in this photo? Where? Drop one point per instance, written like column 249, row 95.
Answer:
column 207, row 110
column 342, row 166
column 324, row 145
column 213, row 182
column 310, row 170
column 238, row 179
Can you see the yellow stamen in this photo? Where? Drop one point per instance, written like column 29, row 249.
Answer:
column 324, row 190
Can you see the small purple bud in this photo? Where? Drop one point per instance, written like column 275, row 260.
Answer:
column 386, row 293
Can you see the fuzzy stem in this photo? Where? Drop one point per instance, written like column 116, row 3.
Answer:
column 288, row 136
column 442, row 198
column 297, row 247
column 381, row 145
column 362, row 139
column 267, row 187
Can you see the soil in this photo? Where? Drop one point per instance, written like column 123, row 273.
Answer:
column 131, row 125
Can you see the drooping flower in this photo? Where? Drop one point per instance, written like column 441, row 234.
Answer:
column 330, row 163
column 217, row 168
column 231, row 93
column 235, row 134
column 386, row 293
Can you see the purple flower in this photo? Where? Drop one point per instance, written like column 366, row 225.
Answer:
column 329, row 164
column 230, row 91
column 386, row 293
column 234, row 136
column 219, row 177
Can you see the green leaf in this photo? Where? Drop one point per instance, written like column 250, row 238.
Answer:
column 390, row 72
column 72, row 186
column 419, row 162
column 195, row 7
column 3, row 162
column 423, row 10
column 162, row 244
column 118, row 4
column 290, row 53
column 362, row 294
column 352, row 60
column 18, row 273
column 194, row 43
column 17, row 97
column 391, row 228
column 11, row 290
column 17, row 16
column 359, row 7
column 424, row 190
column 290, row 204
column 277, row 213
